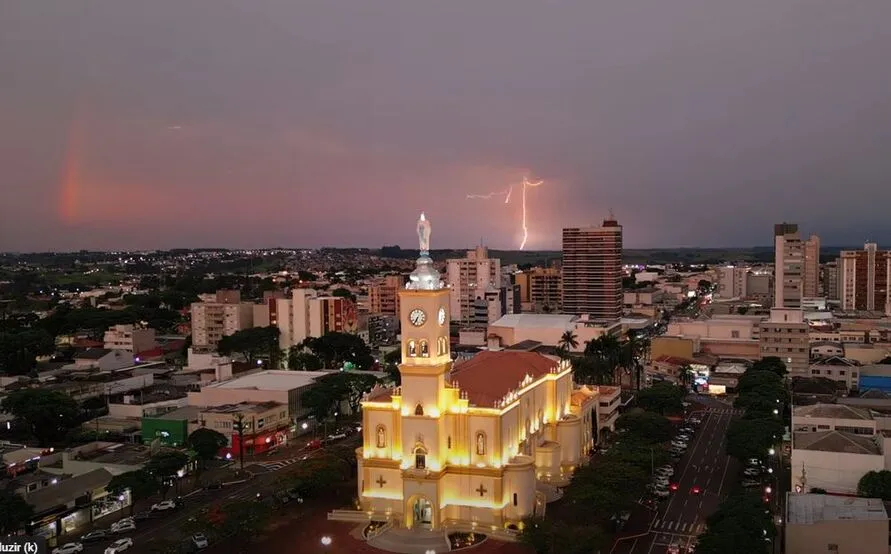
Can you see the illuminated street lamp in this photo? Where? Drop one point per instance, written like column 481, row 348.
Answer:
column 326, row 541
column 771, row 452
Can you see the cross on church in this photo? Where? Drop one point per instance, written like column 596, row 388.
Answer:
column 380, row 481
column 482, row 490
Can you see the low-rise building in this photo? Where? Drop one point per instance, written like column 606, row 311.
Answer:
column 265, row 425
column 129, row 338
column 835, row 524
column 834, row 460
column 785, row 335
column 101, row 358
column 548, row 329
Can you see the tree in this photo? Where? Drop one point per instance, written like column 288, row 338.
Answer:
column 15, row 512
column 685, row 375
column 662, row 398
column 607, row 350
column 49, row 414
column 568, row 342
column 645, row 426
column 165, row 466
column 344, row 293
column 299, row 360
column 637, row 350
column 741, row 524
column 20, row 348
column 336, row 349
column 253, row 343
column 237, row 523
column 875, row 484
column 770, row 363
column 141, row 484
column 752, row 438
column 206, row 443
column 754, row 379
column 328, row 392
column 316, row 476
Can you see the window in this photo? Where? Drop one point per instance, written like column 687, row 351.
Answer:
column 381, row 436
column 420, row 458
column 412, row 349
column 449, row 442
column 481, row 444
column 734, row 334
column 442, row 346
column 419, row 410
column 515, row 499
column 425, row 351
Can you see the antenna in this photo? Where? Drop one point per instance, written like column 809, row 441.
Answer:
column 612, row 215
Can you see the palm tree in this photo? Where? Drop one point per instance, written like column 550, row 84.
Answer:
column 606, row 353
column 636, row 353
column 685, row 374
column 568, row 342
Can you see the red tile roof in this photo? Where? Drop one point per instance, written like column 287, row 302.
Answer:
column 674, row 360
column 489, row 376
column 150, row 354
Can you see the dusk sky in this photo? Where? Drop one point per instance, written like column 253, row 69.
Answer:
column 232, row 123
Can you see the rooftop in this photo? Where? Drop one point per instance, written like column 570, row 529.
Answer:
column 244, row 407
column 112, row 453
column 524, row 346
column 537, row 321
column 275, row 380
column 831, row 411
column 67, row 490
column 489, row 376
column 839, row 442
column 92, row 354
column 807, row 509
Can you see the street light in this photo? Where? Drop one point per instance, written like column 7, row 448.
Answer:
column 326, row 541
column 771, row 452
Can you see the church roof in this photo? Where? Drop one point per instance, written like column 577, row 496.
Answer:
column 489, row 376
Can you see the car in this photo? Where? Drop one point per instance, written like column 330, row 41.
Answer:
column 69, row 548
column 664, row 472
column 752, row 472
column 199, row 540
column 695, row 490
column 214, row 486
column 679, row 444
column 163, row 506
column 660, row 493
column 123, row 526
column 661, row 483
column 95, row 536
column 754, row 462
column 119, row 545
column 142, row 516
column 751, row 483
column 673, row 548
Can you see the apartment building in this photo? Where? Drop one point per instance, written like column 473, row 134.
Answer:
column 788, row 266
column 785, row 335
column 733, row 281
column 592, row 270
column 470, row 278
column 541, row 290
column 382, row 295
column 810, row 273
column 830, row 280
column 306, row 314
column 129, row 338
column 864, row 282
column 227, row 314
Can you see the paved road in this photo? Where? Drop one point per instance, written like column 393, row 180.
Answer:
column 706, row 465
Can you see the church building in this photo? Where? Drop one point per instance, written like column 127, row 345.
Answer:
column 466, row 444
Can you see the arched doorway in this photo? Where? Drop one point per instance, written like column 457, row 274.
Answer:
column 420, row 513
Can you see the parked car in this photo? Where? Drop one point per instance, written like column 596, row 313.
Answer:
column 752, row 472
column 119, row 545
column 163, row 506
column 69, row 548
column 199, row 540
column 142, row 516
column 95, row 536
column 123, row 526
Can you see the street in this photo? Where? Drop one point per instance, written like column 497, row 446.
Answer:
column 681, row 517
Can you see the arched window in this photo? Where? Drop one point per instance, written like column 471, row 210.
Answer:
column 441, row 346
column 449, row 442
column 412, row 349
column 381, row 436
column 425, row 350
column 481, row 444
column 420, row 458
column 515, row 499
column 419, row 410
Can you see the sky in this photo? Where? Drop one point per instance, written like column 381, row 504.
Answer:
column 225, row 123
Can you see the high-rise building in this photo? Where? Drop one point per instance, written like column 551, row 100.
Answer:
column 306, row 314
column 592, row 270
column 830, row 280
column 865, row 279
column 469, row 278
column 541, row 290
column 382, row 295
column 788, row 262
column 733, row 281
column 785, row 336
column 810, row 273
column 227, row 314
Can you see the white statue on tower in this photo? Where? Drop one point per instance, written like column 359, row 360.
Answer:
column 424, row 234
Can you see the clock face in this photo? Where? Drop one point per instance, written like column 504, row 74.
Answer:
column 442, row 316
column 417, row 317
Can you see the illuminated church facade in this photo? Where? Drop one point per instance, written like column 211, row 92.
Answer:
column 466, row 444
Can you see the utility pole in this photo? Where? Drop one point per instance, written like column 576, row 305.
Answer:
column 239, row 428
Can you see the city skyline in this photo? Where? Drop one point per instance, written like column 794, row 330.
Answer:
column 157, row 126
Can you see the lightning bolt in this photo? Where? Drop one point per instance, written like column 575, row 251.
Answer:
column 489, row 196
column 526, row 185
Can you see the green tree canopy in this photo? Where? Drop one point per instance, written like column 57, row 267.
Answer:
column 752, row 438
column 15, row 512
column 206, row 443
column 547, row 536
column 756, row 379
column 140, row 483
column 316, row 476
column 772, row 364
column 237, row 523
column 324, row 396
column 335, row 349
column 165, row 466
column 300, row 360
column 253, row 343
column 741, row 524
column 875, row 484
column 662, row 398
column 49, row 414
column 646, row 426
column 20, row 348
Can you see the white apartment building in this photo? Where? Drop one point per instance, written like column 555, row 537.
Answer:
column 785, row 335
column 788, row 266
column 129, row 338
column 470, row 278
column 306, row 314
column 733, row 281
column 211, row 321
